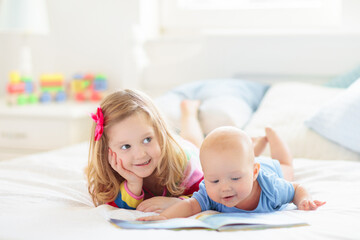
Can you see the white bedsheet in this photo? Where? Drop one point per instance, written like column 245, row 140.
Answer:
column 45, row 196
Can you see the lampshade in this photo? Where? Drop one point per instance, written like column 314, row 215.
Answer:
column 24, row 16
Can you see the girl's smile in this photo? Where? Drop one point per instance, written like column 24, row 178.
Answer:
column 143, row 164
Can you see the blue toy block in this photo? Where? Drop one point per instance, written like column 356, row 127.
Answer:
column 45, row 97
column 78, row 76
column 60, row 96
column 29, row 87
column 100, row 85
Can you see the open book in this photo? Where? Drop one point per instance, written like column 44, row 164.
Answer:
column 219, row 221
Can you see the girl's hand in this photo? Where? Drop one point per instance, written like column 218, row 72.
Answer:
column 152, row 218
column 134, row 182
column 307, row 204
column 157, row 204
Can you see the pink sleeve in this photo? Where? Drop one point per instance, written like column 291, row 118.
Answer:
column 193, row 172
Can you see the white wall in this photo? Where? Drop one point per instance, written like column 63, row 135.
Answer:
column 96, row 36
column 285, row 55
column 318, row 57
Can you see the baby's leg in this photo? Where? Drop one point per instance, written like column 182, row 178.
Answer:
column 281, row 152
column 190, row 125
column 259, row 144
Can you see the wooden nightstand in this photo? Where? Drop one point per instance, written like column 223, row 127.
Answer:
column 41, row 127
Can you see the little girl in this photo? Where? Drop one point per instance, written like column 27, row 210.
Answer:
column 134, row 160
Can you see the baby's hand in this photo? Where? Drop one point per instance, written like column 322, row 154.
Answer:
column 152, row 218
column 307, row 204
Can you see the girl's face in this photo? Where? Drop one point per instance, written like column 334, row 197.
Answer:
column 228, row 178
column 136, row 144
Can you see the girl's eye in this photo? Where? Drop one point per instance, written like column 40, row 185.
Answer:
column 235, row 179
column 126, row 146
column 147, row 140
column 215, row 181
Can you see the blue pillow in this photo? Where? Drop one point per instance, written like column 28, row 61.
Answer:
column 344, row 80
column 251, row 92
column 339, row 120
column 223, row 102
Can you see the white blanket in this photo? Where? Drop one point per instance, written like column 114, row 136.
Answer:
column 45, row 196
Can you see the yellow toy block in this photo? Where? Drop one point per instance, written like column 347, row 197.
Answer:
column 51, row 77
column 14, row 77
column 77, row 86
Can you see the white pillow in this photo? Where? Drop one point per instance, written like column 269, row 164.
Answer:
column 339, row 119
column 213, row 112
column 285, row 107
column 223, row 111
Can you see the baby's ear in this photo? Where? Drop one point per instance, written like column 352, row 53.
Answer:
column 256, row 170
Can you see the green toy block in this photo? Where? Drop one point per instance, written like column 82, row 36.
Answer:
column 100, row 77
column 52, row 89
column 33, row 98
column 85, row 84
column 26, row 79
column 22, row 99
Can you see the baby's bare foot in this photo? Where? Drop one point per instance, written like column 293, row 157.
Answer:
column 271, row 134
column 259, row 144
column 269, row 131
column 278, row 148
column 189, row 107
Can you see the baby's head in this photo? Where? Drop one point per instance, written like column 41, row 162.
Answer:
column 227, row 160
column 226, row 141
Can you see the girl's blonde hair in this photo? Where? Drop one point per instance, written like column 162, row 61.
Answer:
column 103, row 181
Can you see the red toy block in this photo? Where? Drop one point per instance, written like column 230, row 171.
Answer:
column 16, row 87
column 95, row 96
column 51, row 84
column 89, row 77
column 80, row 97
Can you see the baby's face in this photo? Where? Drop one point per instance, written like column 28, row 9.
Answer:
column 228, row 176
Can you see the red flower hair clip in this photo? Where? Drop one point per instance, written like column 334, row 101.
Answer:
column 99, row 119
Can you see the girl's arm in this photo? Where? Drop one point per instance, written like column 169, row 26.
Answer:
column 126, row 199
column 303, row 200
column 131, row 193
column 185, row 208
column 134, row 182
column 159, row 204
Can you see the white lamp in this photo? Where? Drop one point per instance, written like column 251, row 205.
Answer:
column 25, row 17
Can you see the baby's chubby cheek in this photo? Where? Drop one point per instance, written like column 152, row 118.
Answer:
column 212, row 193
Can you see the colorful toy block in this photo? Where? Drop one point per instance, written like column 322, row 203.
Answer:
column 20, row 89
column 52, row 87
column 83, row 87
column 88, row 87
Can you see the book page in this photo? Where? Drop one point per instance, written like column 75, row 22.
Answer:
column 174, row 223
column 219, row 221
column 252, row 220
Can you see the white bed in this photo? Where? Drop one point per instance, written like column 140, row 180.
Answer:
column 44, row 196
